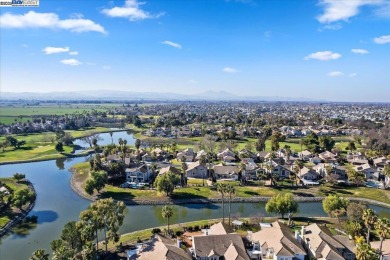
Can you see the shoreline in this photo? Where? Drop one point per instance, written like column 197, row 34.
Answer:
column 67, row 155
column 169, row 201
column 13, row 222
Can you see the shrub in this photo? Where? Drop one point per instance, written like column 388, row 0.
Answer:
column 156, row 231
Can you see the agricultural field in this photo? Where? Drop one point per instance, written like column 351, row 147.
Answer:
column 20, row 113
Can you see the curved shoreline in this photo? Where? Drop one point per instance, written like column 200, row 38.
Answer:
column 13, row 222
column 67, row 155
column 169, row 201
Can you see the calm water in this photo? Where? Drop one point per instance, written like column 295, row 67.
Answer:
column 57, row 204
column 105, row 138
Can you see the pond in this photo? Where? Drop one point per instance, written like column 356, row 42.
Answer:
column 57, row 204
column 106, row 138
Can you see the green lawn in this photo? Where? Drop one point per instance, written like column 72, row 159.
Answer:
column 54, row 109
column 358, row 192
column 32, row 152
column 8, row 214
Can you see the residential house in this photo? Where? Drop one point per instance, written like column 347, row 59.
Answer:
column 229, row 159
column 250, row 168
column 196, row 170
column 139, row 174
column 216, row 247
column 226, row 152
column 147, row 158
column 381, row 162
column 339, row 171
column 305, row 155
column 385, row 248
column 218, row 229
column 322, row 244
column 276, row 242
column 199, row 154
column 328, row 157
column 162, row 248
column 283, row 171
column 188, row 154
column 367, row 170
column 170, row 168
column 226, row 171
column 308, row 174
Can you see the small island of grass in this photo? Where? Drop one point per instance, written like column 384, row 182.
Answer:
column 17, row 198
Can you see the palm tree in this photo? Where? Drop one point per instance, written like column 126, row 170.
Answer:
column 382, row 228
column 40, row 254
column 184, row 168
column 203, row 161
column 386, row 172
column 230, row 190
column 167, row 212
column 364, row 250
column 242, row 170
column 221, row 188
column 369, row 218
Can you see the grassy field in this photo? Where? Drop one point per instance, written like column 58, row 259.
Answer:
column 7, row 215
column 41, row 146
column 27, row 152
column 195, row 190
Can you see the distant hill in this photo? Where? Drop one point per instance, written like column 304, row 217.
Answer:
column 117, row 95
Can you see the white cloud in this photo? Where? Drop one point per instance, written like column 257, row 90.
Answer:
column 173, row 44
column 106, row 67
column 229, row 70
column 382, row 39
column 359, row 51
column 24, row 45
column 32, row 19
column 71, row 62
column 335, row 74
column 73, row 53
column 335, row 10
column 192, row 81
column 352, row 75
column 333, row 27
column 131, row 10
column 53, row 50
column 91, row 63
column 323, row 56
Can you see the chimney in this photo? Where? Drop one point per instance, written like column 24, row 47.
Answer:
column 303, row 232
column 297, row 237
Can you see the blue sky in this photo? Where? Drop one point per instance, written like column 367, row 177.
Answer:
column 336, row 50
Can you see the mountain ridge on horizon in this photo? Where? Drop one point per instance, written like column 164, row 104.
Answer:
column 104, row 94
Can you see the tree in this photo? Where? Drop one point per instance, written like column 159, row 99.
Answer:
column 137, row 143
column 351, row 146
column 282, row 204
column 338, row 213
column 106, row 215
column 230, row 190
column 382, row 228
column 260, row 144
column 59, row 147
column 369, row 218
column 19, row 176
column 355, row 177
column 203, row 161
column 334, row 202
column 353, row 228
column 11, row 141
column 364, row 250
column 22, row 197
column 386, row 172
column 312, row 143
column 221, row 188
column 40, row 254
column 274, row 143
column 167, row 213
column 355, row 211
column 71, row 241
column 184, row 168
column 98, row 182
column 167, row 182
column 326, row 143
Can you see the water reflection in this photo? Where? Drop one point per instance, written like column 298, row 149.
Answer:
column 60, row 163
